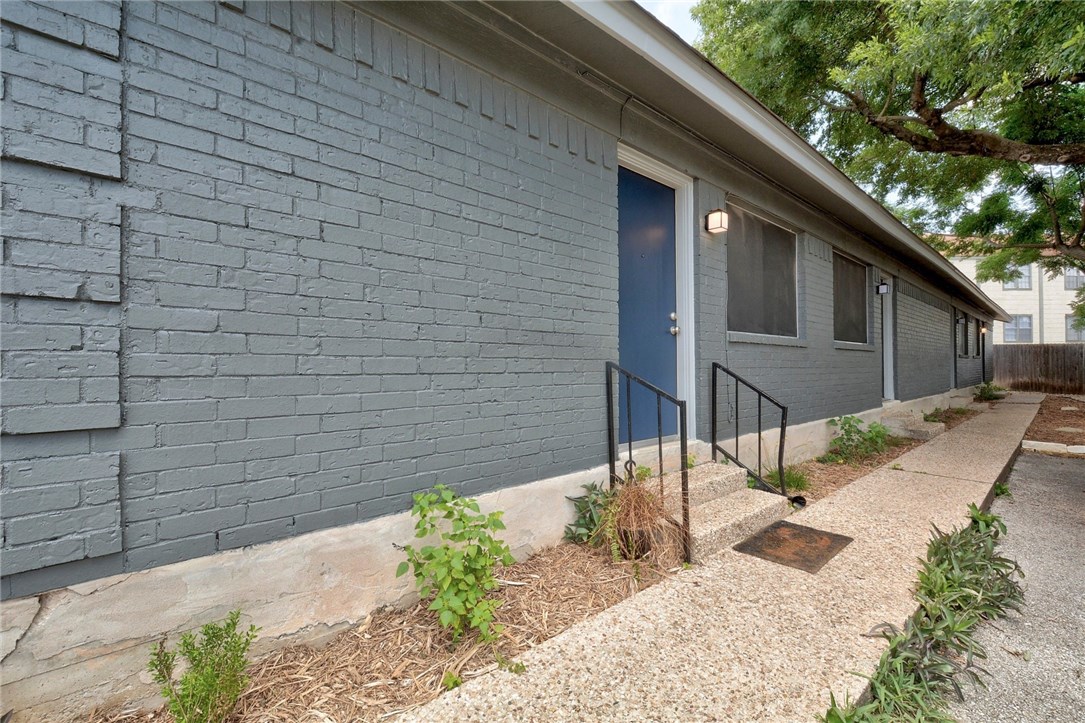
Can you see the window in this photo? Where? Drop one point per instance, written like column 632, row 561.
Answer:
column 849, row 300
column 1023, row 280
column 761, row 280
column 1074, row 279
column 962, row 334
column 1073, row 334
column 1018, row 329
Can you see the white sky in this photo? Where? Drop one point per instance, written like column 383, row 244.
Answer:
column 675, row 15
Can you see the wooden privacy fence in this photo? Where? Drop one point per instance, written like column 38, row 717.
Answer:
column 1057, row 368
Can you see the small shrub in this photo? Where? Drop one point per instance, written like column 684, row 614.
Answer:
column 853, row 443
column 635, row 523
column 590, row 508
column 794, row 479
column 989, row 392
column 208, row 690
column 459, row 573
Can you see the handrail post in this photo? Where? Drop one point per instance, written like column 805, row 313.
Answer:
column 783, row 435
column 714, row 404
column 686, row 543
column 612, row 439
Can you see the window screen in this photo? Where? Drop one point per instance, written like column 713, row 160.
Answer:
column 849, row 300
column 1073, row 334
column 1019, row 329
column 761, row 283
column 1023, row 280
column 962, row 334
column 1074, row 279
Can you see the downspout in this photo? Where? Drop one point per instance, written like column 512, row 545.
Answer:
column 1040, row 290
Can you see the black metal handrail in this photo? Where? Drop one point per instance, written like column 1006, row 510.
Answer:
column 758, row 476
column 613, row 443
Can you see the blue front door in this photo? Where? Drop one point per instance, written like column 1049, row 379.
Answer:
column 646, row 300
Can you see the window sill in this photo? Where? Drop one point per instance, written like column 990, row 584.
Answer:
column 745, row 337
column 853, row 346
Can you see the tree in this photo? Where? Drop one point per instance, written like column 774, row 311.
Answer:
column 966, row 118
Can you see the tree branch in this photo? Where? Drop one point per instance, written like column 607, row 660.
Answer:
column 1046, row 80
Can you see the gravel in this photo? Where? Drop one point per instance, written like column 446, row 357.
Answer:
column 1037, row 659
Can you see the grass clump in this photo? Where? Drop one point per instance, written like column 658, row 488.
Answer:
column 794, row 479
column 215, row 661
column 853, row 443
column 963, row 581
column 945, row 415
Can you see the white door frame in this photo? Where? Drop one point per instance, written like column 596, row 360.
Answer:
column 889, row 364
column 684, row 234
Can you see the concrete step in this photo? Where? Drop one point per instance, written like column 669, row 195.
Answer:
column 707, row 482
column 720, row 523
column 912, row 426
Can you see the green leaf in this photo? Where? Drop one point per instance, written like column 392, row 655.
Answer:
column 402, row 569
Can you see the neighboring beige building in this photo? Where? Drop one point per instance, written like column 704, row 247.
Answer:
column 1040, row 306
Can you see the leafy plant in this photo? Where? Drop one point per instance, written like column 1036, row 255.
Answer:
column 513, row 666
column 691, row 461
column 450, row 680
column 853, row 443
column 794, row 479
column 457, row 574
column 935, row 415
column 962, row 581
column 989, row 392
column 1002, row 489
column 643, row 472
column 589, row 514
column 215, row 676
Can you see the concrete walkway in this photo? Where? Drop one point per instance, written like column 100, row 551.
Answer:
column 1037, row 659
column 743, row 639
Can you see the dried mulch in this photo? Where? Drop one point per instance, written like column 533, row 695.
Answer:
column 1051, row 417
column 396, row 660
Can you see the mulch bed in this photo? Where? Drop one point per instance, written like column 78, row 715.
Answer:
column 395, row 661
column 826, row 478
column 1051, row 416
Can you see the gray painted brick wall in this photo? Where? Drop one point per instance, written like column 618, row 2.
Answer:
column 326, row 265
column 924, row 343
column 353, row 266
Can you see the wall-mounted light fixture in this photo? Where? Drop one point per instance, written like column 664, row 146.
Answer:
column 716, row 221
column 962, row 319
column 983, row 329
column 882, row 289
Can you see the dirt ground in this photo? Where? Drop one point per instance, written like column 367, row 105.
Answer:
column 1052, row 416
column 397, row 659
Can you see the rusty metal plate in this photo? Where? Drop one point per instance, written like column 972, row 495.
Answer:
column 794, row 545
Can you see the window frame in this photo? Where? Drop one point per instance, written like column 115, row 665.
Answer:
column 1070, row 327
column 1006, row 327
column 1079, row 279
column 1024, row 276
column 867, row 291
column 760, row 337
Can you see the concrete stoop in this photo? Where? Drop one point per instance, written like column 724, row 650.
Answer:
column 723, row 510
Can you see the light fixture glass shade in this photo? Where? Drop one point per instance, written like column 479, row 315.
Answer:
column 716, row 221
column 882, row 288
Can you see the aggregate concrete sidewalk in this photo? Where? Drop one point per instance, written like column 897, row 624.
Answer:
column 742, row 639
column 1037, row 659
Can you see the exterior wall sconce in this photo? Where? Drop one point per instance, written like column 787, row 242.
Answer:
column 962, row 319
column 983, row 329
column 882, row 289
column 716, row 221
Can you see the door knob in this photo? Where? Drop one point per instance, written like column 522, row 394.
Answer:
column 675, row 330
column 674, row 316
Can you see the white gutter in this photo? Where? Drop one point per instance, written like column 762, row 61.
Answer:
column 638, row 30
